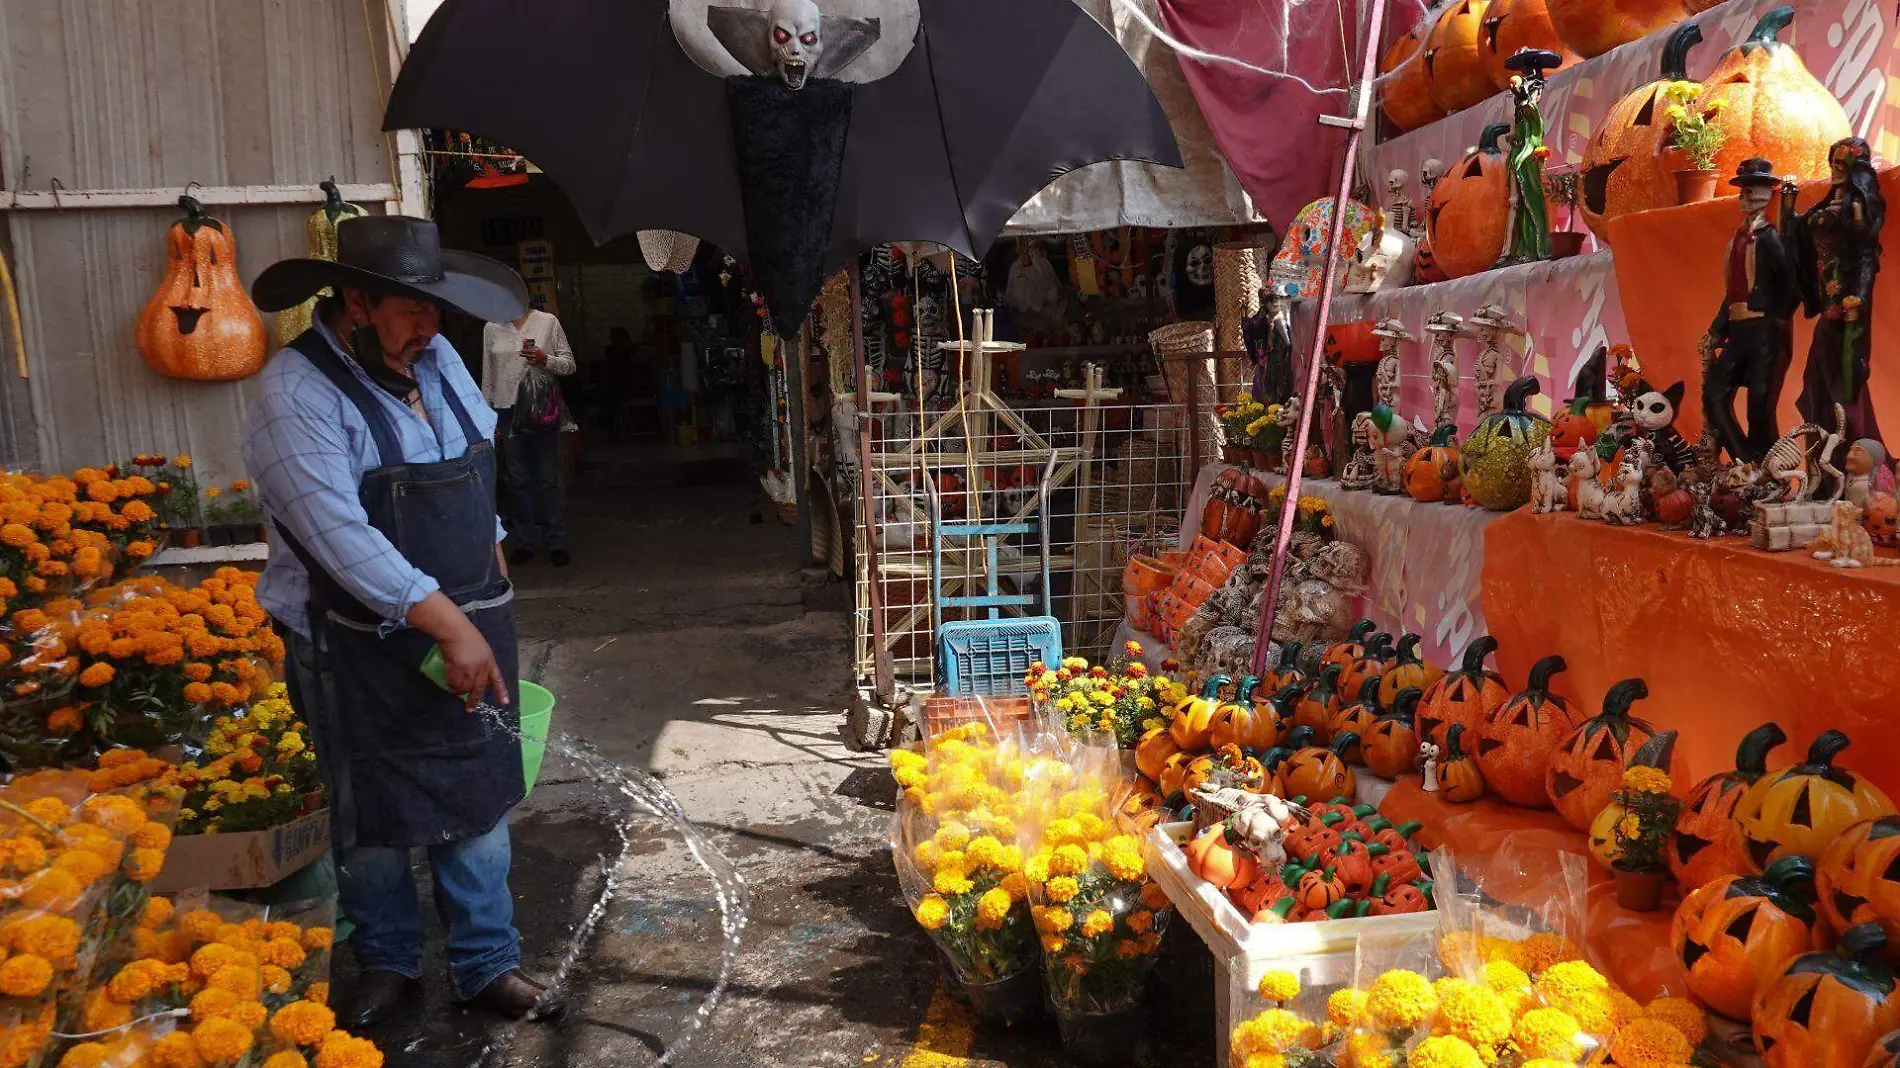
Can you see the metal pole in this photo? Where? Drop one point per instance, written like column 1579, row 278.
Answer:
column 1361, row 104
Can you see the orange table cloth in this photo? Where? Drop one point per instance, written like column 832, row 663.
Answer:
column 1632, row 948
column 1728, row 637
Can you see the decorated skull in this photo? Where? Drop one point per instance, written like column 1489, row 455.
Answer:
column 797, row 40
column 1200, row 265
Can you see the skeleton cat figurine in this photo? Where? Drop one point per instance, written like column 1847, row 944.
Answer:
column 1704, row 521
column 1547, row 489
column 1846, row 543
column 1792, row 462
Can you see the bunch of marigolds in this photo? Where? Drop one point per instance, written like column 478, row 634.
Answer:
column 1115, row 703
column 1525, row 1003
column 260, row 771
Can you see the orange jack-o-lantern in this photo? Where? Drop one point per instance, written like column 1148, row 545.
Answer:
column 1248, row 721
column 1353, row 648
column 1513, row 24
column 1453, row 64
column 1858, row 879
column 1799, row 811
column 201, row 324
column 1628, row 165
column 1351, row 343
column 1468, row 214
column 1407, row 670
column 1706, row 843
column 1593, row 27
column 1357, row 719
column 1572, row 430
column 1588, row 764
column 1313, row 771
column 1424, row 264
column 1827, row 1010
column 1467, row 695
column 1515, row 743
column 1406, row 96
column 1432, row 469
column 1459, row 779
column 1772, row 107
column 1730, row 935
column 1881, row 517
column 1287, row 672
column 1391, row 746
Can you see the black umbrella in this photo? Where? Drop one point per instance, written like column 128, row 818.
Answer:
column 995, row 100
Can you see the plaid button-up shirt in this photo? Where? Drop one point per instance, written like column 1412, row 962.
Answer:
column 307, row 450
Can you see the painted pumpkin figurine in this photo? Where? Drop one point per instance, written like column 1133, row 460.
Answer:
column 1353, row 649
column 1314, row 771
column 1432, row 470
column 1406, row 96
column 1731, row 934
column 1604, row 845
column 1214, row 856
column 1152, row 752
column 201, row 324
column 1352, row 681
column 1407, row 669
column 1510, row 25
column 1706, row 843
column 1459, row 780
column 1802, row 809
column 1466, row 217
column 1287, row 672
column 1468, row 695
column 1458, row 78
column 1390, row 748
column 1772, row 106
column 1247, row 721
column 1194, row 717
column 1358, row 719
column 1317, row 702
column 1593, row 27
column 1827, row 1010
column 1588, row 764
column 1516, row 742
column 1858, row 879
column 1496, row 456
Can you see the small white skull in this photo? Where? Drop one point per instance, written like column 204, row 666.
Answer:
column 1200, row 265
column 797, row 41
column 1395, row 182
column 1429, row 174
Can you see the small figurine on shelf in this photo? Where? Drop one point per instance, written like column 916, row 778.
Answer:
column 1424, row 265
column 1623, row 502
column 1382, row 259
column 1547, row 489
column 1428, row 755
column 1329, row 420
column 1867, row 471
column 1584, row 491
column 1654, row 415
column 1835, row 246
column 1801, row 454
column 1704, row 522
column 1396, row 438
column 1492, row 323
column 1845, row 543
column 1445, row 328
column 1385, row 377
column 1749, row 344
column 1529, row 225
column 1268, row 335
column 1289, row 420
column 1400, row 212
column 1361, row 470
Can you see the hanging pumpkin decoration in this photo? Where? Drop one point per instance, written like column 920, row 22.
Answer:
column 1858, row 879
column 1467, row 216
column 1510, row 25
column 1215, row 857
column 1798, row 811
column 1153, row 750
column 1315, row 772
column 1730, row 935
column 1588, row 764
column 1353, row 649
column 201, row 324
column 1772, row 107
column 1496, row 457
column 1432, row 470
column 1593, row 27
column 1406, row 86
column 1516, row 742
column 1358, row 719
column 1468, row 695
column 1247, row 721
column 1658, row 752
column 1454, row 68
column 1369, row 666
column 1629, row 166
column 1287, row 672
column 1390, row 748
column 1194, row 717
column 1706, row 843
column 1406, row 670
column 1827, row 1010
column 1459, row 780
column 319, row 244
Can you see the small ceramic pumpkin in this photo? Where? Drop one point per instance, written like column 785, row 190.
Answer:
column 1352, row 862
column 1772, row 106
column 1262, row 892
column 200, row 324
column 1358, row 719
column 1316, row 704
column 1405, row 93
column 1407, row 669
column 1312, row 839
column 1572, row 429
column 1858, row 879
column 1658, row 752
column 1454, row 68
column 1353, row 648
column 1320, row 889
column 1287, row 672
column 1510, row 25
column 1459, row 780
column 1399, row 865
column 1153, row 750
column 1247, row 721
column 1706, row 843
column 1827, row 1010
column 1468, row 213
column 1213, row 856
column 1390, row 748
column 1313, row 771
column 1352, row 681
column 1431, row 470
column 1515, row 743
column 1593, row 27
column 1404, row 898
column 1881, row 517
column 1194, row 717
column 1496, row 457
column 1588, row 764
column 1800, row 810
column 1468, row 695
column 1731, row 934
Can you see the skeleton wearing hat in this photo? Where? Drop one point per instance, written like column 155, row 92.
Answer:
column 1751, row 340
column 1492, row 323
column 1385, row 378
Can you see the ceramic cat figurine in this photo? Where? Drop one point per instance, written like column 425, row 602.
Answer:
column 1846, row 543
column 1584, row 465
column 1548, row 493
column 1623, row 504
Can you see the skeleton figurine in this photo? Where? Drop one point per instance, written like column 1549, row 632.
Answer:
column 1444, row 328
column 1400, row 213
column 1289, row 423
column 1385, row 378
column 1492, row 324
column 1260, row 819
column 1361, row 471
column 1428, row 767
column 1428, row 176
column 792, row 41
column 1793, row 462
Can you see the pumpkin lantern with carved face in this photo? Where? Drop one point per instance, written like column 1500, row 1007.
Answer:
column 1858, row 879
column 1593, row 27
column 1822, row 1010
column 1731, row 934
column 1588, row 764
column 1467, row 218
column 1453, row 65
column 1706, row 843
column 1628, row 165
column 201, row 324
column 1799, row 811
column 1468, row 695
column 1406, row 93
column 1881, row 518
column 1515, row 742
column 1510, row 25
column 1771, row 106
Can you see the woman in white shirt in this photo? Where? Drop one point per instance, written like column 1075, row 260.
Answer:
column 531, row 457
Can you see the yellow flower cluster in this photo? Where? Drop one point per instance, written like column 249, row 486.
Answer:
column 260, row 772
column 1119, row 699
column 1644, row 780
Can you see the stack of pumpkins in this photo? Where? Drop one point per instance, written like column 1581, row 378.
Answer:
column 1344, row 862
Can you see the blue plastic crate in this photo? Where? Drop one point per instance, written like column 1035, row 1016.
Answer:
column 989, row 657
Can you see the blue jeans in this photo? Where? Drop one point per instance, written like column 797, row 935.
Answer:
column 377, row 888
column 532, row 466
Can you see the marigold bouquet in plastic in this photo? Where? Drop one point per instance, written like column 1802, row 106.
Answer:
column 1281, row 1035
column 1113, row 703
column 260, row 771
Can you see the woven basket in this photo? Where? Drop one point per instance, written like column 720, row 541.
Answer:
column 1188, row 378
column 667, row 250
column 1239, row 269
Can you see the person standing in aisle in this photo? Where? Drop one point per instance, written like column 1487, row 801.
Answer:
column 530, row 441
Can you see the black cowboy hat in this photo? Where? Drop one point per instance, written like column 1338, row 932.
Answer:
column 401, row 256
column 1526, row 60
column 1754, row 171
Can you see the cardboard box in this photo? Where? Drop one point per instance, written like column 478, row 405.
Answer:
column 245, row 860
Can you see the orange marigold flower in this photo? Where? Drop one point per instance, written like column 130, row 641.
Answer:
column 24, row 975
column 157, row 910
column 145, row 864
column 197, row 693
column 286, row 1059
column 64, row 720
column 221, row 1042
column 303, row 1023
column 96, row 675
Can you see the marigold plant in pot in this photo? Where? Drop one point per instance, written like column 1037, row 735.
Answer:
column 1560, row 188
column 1631, row 834
column 1697, row 136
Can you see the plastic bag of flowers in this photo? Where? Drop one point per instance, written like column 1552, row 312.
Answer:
column 953, row 840
column 1110, row 705
column 1098, row 915
column 1281, row 1020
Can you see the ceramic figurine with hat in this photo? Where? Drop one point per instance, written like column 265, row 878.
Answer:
column 1444, row 327
column 1385, row 378
column 1268, row 335
column 1835, row 246
column 1749, row 344
column 1490, row 323
column 1528, row 232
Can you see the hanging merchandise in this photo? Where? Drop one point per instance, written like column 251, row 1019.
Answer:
column 1194, row 276
column 201, row 323
column 789, row 168
column 320, row 243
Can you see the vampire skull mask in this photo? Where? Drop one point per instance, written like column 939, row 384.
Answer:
column 792, row 41
column 798, row 41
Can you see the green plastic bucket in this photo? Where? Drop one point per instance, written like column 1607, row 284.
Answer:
column 537, row 711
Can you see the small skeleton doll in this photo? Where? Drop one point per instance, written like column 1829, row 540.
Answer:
column 1492, row 323
column 1400, row 213
column 1445, row 328
column 1385, row 378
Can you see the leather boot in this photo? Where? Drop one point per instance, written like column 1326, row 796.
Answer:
column 518, row 997
column 374, row 997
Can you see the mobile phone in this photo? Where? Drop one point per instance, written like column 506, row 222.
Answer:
column 527, row 345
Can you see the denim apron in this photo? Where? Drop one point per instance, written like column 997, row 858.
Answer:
column 405, row 763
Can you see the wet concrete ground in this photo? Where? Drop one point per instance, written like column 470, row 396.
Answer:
column 684, row 641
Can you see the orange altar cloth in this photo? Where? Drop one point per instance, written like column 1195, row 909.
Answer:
column 1727, row 637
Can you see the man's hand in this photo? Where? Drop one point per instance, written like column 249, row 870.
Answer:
column 501, row 558
column 472, row 670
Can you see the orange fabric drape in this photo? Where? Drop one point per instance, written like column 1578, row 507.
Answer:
column 1669, row 265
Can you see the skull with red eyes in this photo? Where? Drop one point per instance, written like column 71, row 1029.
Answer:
column 797, row 40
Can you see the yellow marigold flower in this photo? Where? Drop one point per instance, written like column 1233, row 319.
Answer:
column 952, row 836
column 1567, row 979
column 1649, row 1042
column 239, row 979
column 1549, row 1033
column 1444, row 1051
column 22, row 855
column 1683, row 1015
column 139, row 980
column 104, row 1014
column 1629, row 827
column 1369, row 1049
column 221, row 1042
column 1052, row 944
column 54, row 937
column 951, row 880
column 1505, row 977
column 984, row 851
column 200, row 925
column 932, row 912
column 1273, row 1031
column 85, row 1055
column 1057, row 920
column 24, row 975
column 1400, row 999
column 993, row 908
column 1279, row 985
column 114, row 813
column 303, row 1023
column 1647, row 780
column 1153, row 896
column 317, row 992
column 286, row 1059
column 50, row 890
column 1061, row 889
column 1346, row 1006
column 1098, row 922
column 1069, row 860
column 1540, row 951
column 213, row 1002
column 1474, row 1013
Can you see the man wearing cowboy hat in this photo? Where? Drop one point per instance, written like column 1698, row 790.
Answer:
column 1751, row 341
column 370, row 446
